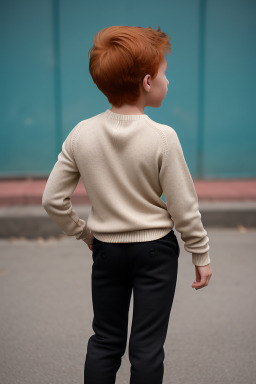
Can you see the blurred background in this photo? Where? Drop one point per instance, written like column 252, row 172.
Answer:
column 46, row 88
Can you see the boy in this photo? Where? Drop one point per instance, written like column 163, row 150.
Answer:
column 126, row 161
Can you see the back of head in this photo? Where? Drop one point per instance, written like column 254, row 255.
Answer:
column 120, row 58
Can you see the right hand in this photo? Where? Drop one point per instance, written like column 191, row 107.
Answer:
column 90, row 245
column 203, row 275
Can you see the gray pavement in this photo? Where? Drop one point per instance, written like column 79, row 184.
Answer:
column 46, row 313
column 33, row 221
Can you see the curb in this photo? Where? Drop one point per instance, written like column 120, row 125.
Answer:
column 33, row 222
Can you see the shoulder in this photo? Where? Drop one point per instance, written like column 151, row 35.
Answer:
column 80, row 125
column 86, row 122
column 170, row 142
column 168, row 133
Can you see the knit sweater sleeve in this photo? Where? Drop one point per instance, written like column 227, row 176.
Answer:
column 60, row 186
column 182, row 201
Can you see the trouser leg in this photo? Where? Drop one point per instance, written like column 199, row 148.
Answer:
column 111, row 294
column 154, row 282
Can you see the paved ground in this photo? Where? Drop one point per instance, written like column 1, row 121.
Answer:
column 46, row 313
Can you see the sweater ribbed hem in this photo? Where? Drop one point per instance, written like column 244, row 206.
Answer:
column 119, row 116
column 201, row 259
column 132, row 236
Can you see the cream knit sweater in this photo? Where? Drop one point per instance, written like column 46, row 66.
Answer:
column 126, row 162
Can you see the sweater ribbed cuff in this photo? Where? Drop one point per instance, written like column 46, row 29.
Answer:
column 87, row 236
column 201, row 259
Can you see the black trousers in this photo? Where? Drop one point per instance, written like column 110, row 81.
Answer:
column 149, row 269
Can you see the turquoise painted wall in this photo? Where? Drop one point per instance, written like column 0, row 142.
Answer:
column 46, row 88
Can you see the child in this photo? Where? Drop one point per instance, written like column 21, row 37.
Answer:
column 126, row 161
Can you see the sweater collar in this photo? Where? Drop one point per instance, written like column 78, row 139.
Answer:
column 119, row 116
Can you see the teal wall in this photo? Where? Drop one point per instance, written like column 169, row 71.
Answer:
column 46, row 88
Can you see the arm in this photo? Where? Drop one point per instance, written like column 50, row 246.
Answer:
column 60, row 185
column 182, row 201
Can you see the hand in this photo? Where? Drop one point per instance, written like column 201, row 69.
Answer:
column 89, row 242
column 90, row 245
column 87, row 236
column 203, row 275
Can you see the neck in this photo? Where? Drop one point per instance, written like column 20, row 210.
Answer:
column 128, row 109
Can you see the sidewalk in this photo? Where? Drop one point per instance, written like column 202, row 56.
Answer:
column 29, row 191
column 222, row 203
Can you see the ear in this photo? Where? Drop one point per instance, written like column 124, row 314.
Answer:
column 146, row 83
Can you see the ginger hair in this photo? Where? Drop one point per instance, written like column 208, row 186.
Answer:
column 121, row 56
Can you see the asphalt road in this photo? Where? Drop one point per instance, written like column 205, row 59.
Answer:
column 46, row 313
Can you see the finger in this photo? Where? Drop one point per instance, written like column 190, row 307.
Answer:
column 207, row 280
column 198, row 277
column 200, row 284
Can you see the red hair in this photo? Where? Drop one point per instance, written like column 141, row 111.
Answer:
column 122, row 56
